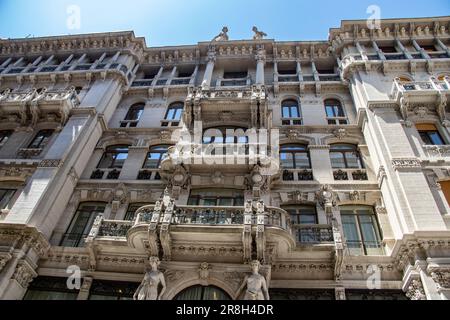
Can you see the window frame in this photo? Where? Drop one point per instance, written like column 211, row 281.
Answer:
column 8, row 195
column 237, row 201
column 129, row 121
column 178, row 110
column 356, row 213
column 429, row 131
column 43, row 141
column 5, row 136
column 344, row 157
column 131, row 215
column 335, row 119
column 74, row 224
column 300, row 211
column 290, row 105
column 160, row 159
column 108, row 150
column 293, row 153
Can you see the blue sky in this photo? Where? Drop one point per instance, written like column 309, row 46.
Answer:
column 176, row 22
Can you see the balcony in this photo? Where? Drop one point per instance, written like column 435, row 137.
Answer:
column 437, row 152
column 329, row 77
column 419, row 91
column 350, row 175
column 287, row 78
column 313, row 234
column 38, row 104
column 29, row 153
column 208, row 215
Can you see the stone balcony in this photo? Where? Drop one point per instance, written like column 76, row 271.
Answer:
column 420, row 91
column 32, row 105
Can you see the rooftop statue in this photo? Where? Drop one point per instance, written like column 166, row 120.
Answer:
column 223, row 36
column 258, row 34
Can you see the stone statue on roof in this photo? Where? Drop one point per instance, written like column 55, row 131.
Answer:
column 258, row 34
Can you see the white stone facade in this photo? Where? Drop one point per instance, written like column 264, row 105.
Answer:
column 372, row 221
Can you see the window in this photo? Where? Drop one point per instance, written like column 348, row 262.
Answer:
column 173, row 114
column 50, row 288
column 112, row 290
column 445, row 187
column 4, row 136
column 235, row 75
column 41, row 139
column 81, row 223
column 295, row 156
column 133, row 115
column 361, row 230
column 6, row 196
column 290, row 113
column 387, row 49
column 223, row 198
column 335, row 112
column 202, row 293
column 345, row 156
column 430, row 134
column 130, row 215
column 114, row 157
column 302, row 214
column 155, row 156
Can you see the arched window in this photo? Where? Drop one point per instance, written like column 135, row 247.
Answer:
column 290, row 113
column 203, row 293
column 155, row 156
column 173, row 115
column 81, row 223
column 114, row 157
column 294, row 156
column 335, row 112
column 133, row 115
column 4, row 136
column 361, row 230
column 345, row 156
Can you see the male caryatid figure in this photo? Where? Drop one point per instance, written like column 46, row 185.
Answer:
column 256, row 284
column 148, row 289
column 223, row 36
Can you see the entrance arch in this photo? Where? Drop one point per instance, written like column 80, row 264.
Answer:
column 199, row 292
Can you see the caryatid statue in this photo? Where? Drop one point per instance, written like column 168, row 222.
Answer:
column 256, row 284
column 223, row 36
column 258, row 34
column 148, row 289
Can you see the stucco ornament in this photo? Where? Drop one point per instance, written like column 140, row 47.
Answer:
column 258, row 34
column 256, row 284
column 148, row 289
column 223, row 36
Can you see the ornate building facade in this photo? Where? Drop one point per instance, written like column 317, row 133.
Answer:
column 358, row 207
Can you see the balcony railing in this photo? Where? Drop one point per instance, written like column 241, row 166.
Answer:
column 114, row 228
column 419, row 88
column 288, row 78
column 239, row 82
column 149, row 174
column 434, row 151
column 350, row 174
column 108, row 174
column 313, row 233
column 298, row 175
column 29, row 153
column 208, row 215
column 329, row 77
column 142, row 83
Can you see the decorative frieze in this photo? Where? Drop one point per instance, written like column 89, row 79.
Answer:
column 24, row 273
column 415, row 290
column 406, row 163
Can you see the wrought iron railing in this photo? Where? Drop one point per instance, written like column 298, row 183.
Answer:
column 350, row 174
column 313, row 233
column 208, row 215
column 114, row 228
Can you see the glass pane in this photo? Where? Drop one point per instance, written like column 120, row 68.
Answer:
column 436, row 138
column 153, row 160
column 330, row 111
column 49, row 295
column 212, row 293
column 286, row 112
column 170, row 114
column 226, row 202
column 368, row 229
column 120, row 160
column 302, row 161
column 208, row 202
column 287, row 160
column 178, row 114
column 308, row 219
column 5, row 197
column 294, row 112
column 350, row 229
column 353, row 160
column 337, row 160
column 339, row 111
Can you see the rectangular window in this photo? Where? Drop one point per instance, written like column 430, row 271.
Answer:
column 225, row 198
column 430, row 134
column 112, row 290
column 50, row 288
column 235, row 75
column 445, row 187
column 81, row 223
column 4, row 137
column 130, row 215
column 6, row 196
column 41, row 139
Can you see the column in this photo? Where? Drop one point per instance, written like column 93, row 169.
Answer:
column 321, row 164
column 211, row 60
column 260, row 62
